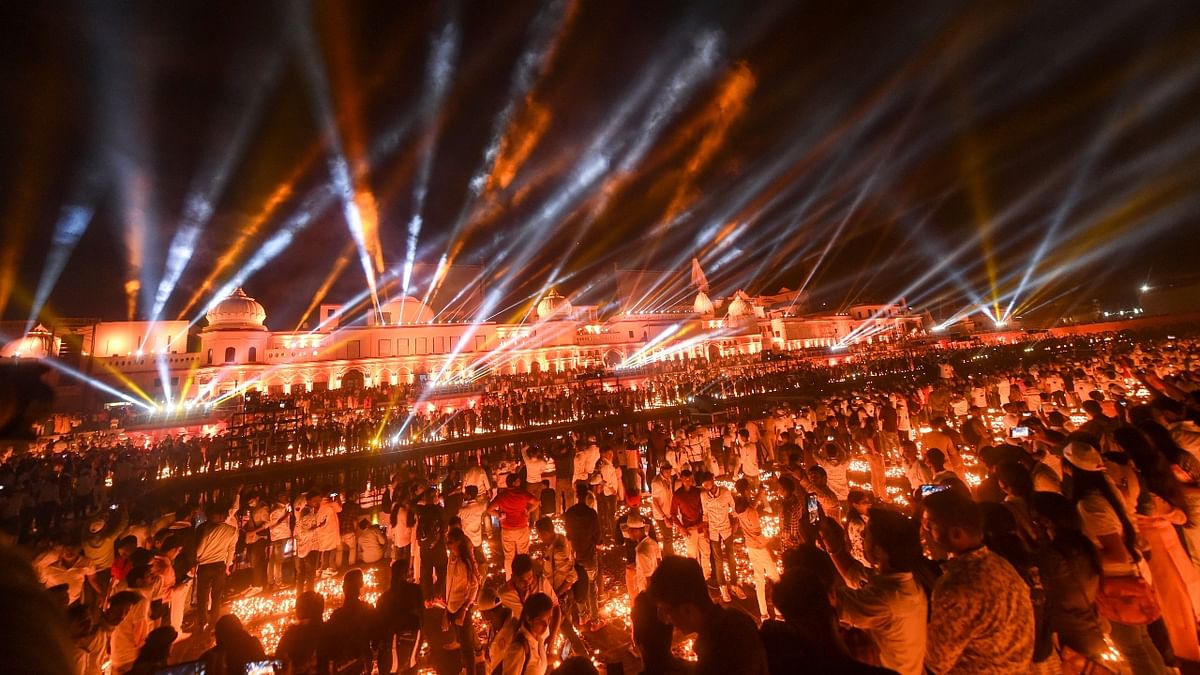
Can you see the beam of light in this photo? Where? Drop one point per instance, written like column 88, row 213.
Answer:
column 339, row 264
column 94, row 383
column 342, row 184
column 384, row 144
column 1115, row 123
column 611, row 147
column 120, row 128
column 697, row 65
column 72, row 223
column 439, row 74
column 277, row 243
column 245, row 234
column 232, row 130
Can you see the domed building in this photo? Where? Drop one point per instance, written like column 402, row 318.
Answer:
column 236, row 331
column 38, row 343
column 237, row 312
column 740, row 306
column 703, row 305
column 555, row 306
column 402, row 311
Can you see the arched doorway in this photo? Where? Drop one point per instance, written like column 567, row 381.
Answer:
column 714, row 352
column 613, row 358
column 353, row 379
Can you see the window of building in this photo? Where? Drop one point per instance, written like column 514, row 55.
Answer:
column 402, row 347
column 208, row 360
column 253, row 355
column 422, row 345
column 230, row 355
column 385, row 348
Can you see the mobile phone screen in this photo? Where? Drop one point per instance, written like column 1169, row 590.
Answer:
column 814, row 510
column 928, row 489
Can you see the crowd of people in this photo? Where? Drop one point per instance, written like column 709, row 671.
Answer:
column 1031, row 508
column 260, row 429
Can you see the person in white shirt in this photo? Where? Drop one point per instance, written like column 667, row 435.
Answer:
column 612, row 490
column 762, row 562
column 888, row 603
column 279, row 531
column 585, row 461
column 216, row 543
column 129, row 635
column 718, row 517
column 329, row 531
column 66, row 566
column 662, row 493
column 520, row 646
column 370, row 542
column 747, row 451
column 836, row 462
column 647, row 552
column 477, row 475
column 472, row 513
column 535, row 465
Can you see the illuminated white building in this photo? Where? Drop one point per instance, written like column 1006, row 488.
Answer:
column 404, row 342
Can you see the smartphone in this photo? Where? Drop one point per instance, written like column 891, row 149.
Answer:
column 112, row 507
column 269, row 667
column 814, row 509
column 928, row 489
column 1020, row 432
column 333, row 494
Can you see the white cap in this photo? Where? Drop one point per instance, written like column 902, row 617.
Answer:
column 1083, row 456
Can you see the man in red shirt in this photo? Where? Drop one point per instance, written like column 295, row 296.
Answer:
column 687, row 512
column 514, row 506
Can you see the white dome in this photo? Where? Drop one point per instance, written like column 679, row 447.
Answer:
column 405, row 309
column 554, row 304
column 702, row 304
column 237, row 312
column 37, row 344
column 740, row 306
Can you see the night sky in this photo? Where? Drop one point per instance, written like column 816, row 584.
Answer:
column 1015, row 155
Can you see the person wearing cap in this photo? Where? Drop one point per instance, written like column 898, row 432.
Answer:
column 662, row 493
column 647, row 553
column 1107, row 525
column 99, row 544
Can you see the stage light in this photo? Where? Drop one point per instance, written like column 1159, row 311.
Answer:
column 1145, row 288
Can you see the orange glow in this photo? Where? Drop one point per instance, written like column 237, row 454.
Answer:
column 247, row 233
column 518, row 143
column 131, row 297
